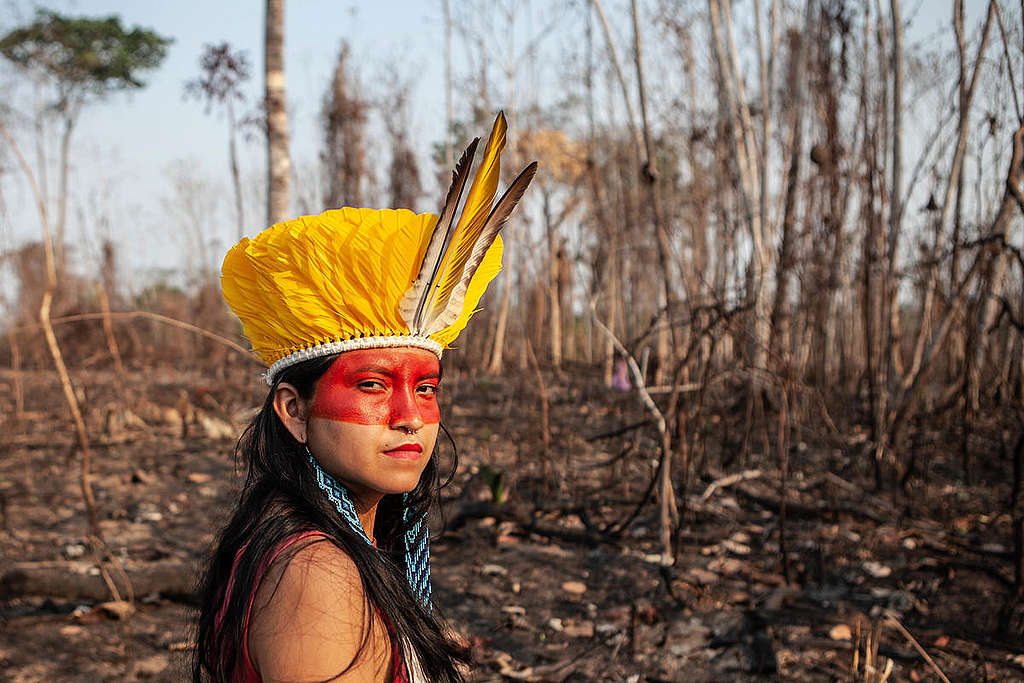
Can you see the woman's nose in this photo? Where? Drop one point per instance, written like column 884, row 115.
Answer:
column 405, row 413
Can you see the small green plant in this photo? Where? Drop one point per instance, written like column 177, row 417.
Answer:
column 495, row 480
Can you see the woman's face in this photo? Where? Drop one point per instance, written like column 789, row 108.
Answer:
column 374, row 418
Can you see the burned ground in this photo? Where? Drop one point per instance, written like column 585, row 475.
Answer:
column 534, row 565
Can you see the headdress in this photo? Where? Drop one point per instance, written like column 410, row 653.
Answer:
column 363, row 278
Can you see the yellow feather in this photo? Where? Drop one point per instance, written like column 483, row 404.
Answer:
column 324, row 278
column 489, row 268
column 474, row 214
column 348, row 272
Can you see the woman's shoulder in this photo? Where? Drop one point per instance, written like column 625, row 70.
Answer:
column 312, row 578
column 311, row 619
column 312, row 564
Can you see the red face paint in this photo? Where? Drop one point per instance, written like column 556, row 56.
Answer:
column 380, row 387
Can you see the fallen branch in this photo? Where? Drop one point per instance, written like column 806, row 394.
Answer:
column 805, row 644
column 521, row 515
column 77, row 580
column 668, row 388
column 628, row 450
column 795, row 509
column 954, row 561
column 725, row 482
column 619, row 431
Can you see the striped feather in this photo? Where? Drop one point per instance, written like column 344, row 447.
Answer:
column 414, row 301
column 449, row 311
column 474, row 215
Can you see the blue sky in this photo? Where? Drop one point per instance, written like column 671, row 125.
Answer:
column 126, row 148
column 159, row 124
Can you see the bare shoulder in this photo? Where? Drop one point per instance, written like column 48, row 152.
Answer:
column 311, row 621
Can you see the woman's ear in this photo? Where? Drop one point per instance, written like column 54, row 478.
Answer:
column 292, row 409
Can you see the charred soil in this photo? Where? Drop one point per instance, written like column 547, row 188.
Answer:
column 548, row 562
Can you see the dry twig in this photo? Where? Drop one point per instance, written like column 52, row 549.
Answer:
column 665, row 490
column 729, row 480
column 85, row 480
column 917, row 646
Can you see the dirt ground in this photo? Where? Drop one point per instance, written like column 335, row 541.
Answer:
column 540, row 584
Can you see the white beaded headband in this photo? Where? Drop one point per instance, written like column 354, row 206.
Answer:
column 329, row 348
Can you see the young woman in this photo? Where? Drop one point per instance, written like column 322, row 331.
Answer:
column 322, row 572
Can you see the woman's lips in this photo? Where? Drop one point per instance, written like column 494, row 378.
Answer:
column 407, row 451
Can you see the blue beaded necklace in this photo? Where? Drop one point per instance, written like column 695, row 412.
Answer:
column 417, row 534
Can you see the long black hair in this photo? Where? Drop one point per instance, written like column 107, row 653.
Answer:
column 281, row 498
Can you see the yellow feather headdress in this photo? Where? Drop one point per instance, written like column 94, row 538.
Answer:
column 363, row 278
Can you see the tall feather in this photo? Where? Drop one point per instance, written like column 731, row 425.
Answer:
column 485, row 182
column 474, row 214
column 414, row 301
column 447, row 311
column 471, row 220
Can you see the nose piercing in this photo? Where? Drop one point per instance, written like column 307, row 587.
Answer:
column 408, row 430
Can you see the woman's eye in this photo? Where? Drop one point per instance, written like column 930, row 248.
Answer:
column 427, row 390
column 371, row 385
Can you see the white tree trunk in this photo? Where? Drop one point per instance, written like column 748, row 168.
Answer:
column 278, row 160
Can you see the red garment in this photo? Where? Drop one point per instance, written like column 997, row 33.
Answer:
column 245, row 672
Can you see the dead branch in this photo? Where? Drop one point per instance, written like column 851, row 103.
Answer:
column 618, row 528
column 75, row 580
column 108, row 331
column 1006, row 312
column 803, row 511
column 892, row 620
column 51, row 338
column 523, row 516
column 619, row 431
column 1009, row 66
column 156, row 317
column 665, row 490
column 730, row 480
column 680, row 388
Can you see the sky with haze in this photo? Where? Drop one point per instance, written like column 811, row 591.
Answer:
column 129, row 150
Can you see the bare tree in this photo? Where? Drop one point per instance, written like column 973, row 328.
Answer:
column 449, row 105
column 193, row 204
column 404, row 186
column 223, row 72
column 344, row 121
column 780, row 319
column 751, row 158
column 278, row 158
column 86, row 59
